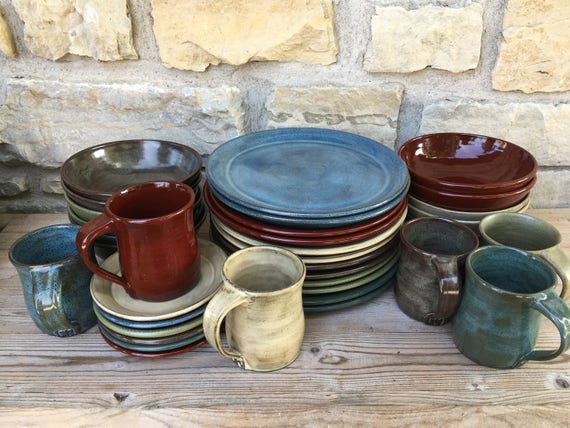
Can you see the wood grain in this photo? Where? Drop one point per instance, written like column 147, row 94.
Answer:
column 367, row 365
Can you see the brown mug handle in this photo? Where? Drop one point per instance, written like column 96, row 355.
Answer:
column 449, row 290
column 86, row 236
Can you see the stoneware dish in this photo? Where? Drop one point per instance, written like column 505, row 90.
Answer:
column 97, row 172
column 430, row 210
column 471, row 202
column 321, row 175
column 468, row 163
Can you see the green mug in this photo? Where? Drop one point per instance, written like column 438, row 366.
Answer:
column 530, row 234
column 505, row 292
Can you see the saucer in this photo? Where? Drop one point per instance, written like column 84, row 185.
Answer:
column 113, row 298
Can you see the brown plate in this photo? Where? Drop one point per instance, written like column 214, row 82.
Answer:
column 467, row 202
column 224, row 212
column 467, row 163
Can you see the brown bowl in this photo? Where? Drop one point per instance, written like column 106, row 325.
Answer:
column 467, row 202
column 97, row 172
column 468, row 163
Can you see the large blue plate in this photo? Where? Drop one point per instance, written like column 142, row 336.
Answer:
column 307, row 173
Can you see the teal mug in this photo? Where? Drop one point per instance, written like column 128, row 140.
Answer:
column 55, row 281
column 505, row 293
column 531, row 234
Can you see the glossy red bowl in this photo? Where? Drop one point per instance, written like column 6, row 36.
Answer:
column 466, row 202
column 468, row 163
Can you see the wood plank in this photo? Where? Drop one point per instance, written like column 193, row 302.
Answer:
column 367, row 365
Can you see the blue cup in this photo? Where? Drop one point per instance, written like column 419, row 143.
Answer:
column 55, row 281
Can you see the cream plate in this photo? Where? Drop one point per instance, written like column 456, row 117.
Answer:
column 334, row 250
column 114, row 299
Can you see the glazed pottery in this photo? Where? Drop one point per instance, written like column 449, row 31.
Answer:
column 55, row 280
column 470, row 202
column 97, row 172
column 114, row 300
column 468, row 163
column 261, row 303
column 324, row 176
column 158, row 249
column 431, row 268
column 506, row 291
column 531, row 234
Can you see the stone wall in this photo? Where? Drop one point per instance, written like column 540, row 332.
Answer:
column 74, row 73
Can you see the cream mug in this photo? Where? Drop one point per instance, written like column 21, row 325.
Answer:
column 531, row 234
column 262, row 304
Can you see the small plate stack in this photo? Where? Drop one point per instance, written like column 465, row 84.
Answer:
column 156, row 329
column 90, row 176
column 466, row 177
column 335, row 199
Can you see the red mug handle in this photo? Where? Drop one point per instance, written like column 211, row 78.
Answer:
column 90, row 231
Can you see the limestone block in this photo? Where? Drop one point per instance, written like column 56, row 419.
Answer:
column 551, row 190
column 6, row 40
column 533, row 56
column 12, row 186
column 193, row 34
column 368, row 111
column 97, row 28
column 404, row 41
column 542, row 129
column 46, row 121
column 51, row 185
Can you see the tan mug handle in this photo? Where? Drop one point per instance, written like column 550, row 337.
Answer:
column 449, row 290
column 560, row 262
column 226, row 299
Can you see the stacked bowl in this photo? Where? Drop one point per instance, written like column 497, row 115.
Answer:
column 335, row 199
column 156, row 329
column 466, row 177
column 91, row 176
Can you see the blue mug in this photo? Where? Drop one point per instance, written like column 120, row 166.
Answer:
column 55, row 281
column 505, row 293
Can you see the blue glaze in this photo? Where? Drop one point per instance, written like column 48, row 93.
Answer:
column 307, row 173
column 55, row 280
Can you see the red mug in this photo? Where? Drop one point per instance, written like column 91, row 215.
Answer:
column 156, row 240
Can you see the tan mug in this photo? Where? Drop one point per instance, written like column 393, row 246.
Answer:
column 531, row 234
column 262, row 305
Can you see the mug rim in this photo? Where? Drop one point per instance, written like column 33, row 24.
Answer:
column 527, row 217
column 464, row 228
column 523, row 253
column 296, row 282
column 155, row 183
column 29, row 235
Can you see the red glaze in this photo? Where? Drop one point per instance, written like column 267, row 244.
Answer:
column 158, row 249
column 467, row 163
column 466, row 202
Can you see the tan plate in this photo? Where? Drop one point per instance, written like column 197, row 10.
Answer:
column 114, row 299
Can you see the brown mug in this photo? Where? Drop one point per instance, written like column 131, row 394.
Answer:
column 156, row 240
column 431, row 268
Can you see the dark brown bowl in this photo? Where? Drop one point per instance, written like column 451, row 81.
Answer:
column 468, row 163
column 97, row 172
column 467, row 202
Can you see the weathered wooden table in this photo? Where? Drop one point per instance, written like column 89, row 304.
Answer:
column 369, row 365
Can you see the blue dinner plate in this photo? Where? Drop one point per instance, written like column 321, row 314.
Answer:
column 307, row 173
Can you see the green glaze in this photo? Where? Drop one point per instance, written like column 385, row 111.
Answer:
column 505, row 292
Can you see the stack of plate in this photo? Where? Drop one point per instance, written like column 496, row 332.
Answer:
column 466, row 177
column 156, row 329
column 90, row 176
column 335, row 199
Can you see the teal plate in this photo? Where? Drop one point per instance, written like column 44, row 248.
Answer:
column 320, row 173
column 350, row 302
column 341, row 296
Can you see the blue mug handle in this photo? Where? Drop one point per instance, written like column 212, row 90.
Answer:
column 552, row 307
column 47, row 298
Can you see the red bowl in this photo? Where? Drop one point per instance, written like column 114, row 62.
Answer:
column 466, row 202
column 468, row 163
